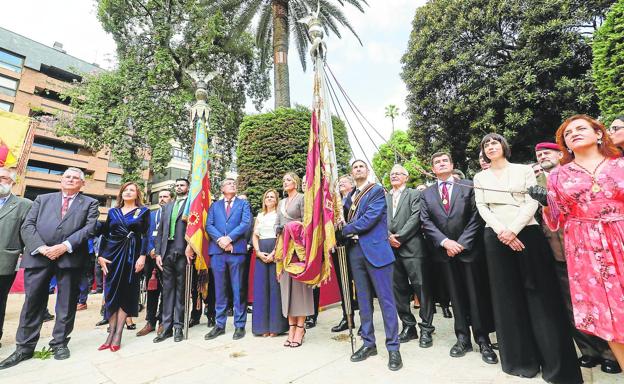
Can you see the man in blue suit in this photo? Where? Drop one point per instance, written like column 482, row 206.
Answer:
column 371, row 262
column 227, row 225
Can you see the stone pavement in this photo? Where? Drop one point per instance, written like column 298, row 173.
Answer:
column 323, row 358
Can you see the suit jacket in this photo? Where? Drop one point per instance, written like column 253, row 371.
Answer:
column 44, row 226
column 555, row 239
column 370, row 223
column 235, row 226
column 405, row 224
column 161, row 242
column 12, row 216
column 462, row 223
column 152, row 232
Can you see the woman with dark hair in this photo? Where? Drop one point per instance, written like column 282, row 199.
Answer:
column 586, row 197
column 616, row 132
column 122, row 256
column 529, row 315
column 267, row 309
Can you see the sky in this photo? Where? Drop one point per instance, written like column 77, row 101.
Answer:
column 370, row 73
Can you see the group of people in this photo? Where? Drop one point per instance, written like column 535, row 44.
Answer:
column 539, row 261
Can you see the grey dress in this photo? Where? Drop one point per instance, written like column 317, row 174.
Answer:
column 297, row 298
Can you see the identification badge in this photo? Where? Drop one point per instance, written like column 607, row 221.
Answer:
column 155, row 233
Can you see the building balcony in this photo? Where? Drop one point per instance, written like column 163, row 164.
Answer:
column 62, row 158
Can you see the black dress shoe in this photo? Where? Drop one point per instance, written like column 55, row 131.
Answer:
column 47, row 316
column 193, row 322
column 310, row 322
column 586, row 361
column 460, row 349
column 408, row 333
column 101, row 322
column 487, row 354
column 359, row 331
column 363, row 353
column 342, row 326
column 211, row 322
column 446, row 312
column 494, row 346
column 163, row 336
column 178, row 335
column 426, row 340
column 15, row 358
column 249, row 309
column 239, row 333
column 394, row 360
column 230, row 312
column 216, row 332
column 61, row 353
column 610, row 366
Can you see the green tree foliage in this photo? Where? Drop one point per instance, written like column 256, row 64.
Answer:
column 398, row 150
column 277, row 20
column 515, row 67
column 608, row 63
column 274, row 143
column 136, row 109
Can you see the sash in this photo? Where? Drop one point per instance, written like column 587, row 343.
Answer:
column 356, row 202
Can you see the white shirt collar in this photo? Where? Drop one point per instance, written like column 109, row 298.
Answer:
column 71, row 197
column 450, row 180
column 398, row 191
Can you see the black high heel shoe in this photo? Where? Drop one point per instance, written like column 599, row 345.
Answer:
column 297, row 344
column 288, row 343
column 131, row 326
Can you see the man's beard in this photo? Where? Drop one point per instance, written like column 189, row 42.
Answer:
column 547, row 165
column 5, row 189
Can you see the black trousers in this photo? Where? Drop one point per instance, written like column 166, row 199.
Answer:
column 153, row 305
column 469, row 297
column 531, row 326
column 196, row 304
column 411, row 276
column 99, row 276
column 210, row 300
column 174, row 271
column 316, row 295
column 589, row 345
column 6, row 281
column 36, row 286
column 350, row 284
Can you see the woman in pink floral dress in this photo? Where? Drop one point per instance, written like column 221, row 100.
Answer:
column 586, row 197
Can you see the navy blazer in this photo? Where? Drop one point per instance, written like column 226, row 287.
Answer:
column 370, row 223
column 44, row 226
column 153, row 229
column 235, row 226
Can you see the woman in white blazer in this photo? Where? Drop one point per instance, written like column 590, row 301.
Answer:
column 531, row 328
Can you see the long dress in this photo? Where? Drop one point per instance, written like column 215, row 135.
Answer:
column 124, row 239
column 593, row 224
column 297, row 297
column 267, row 307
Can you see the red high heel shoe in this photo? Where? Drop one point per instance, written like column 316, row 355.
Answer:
column 115, row 348
column 104, row 346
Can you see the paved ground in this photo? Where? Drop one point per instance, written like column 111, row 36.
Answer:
column 323, row 358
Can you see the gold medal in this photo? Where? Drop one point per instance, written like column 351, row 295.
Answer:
column 444, row 201
column 595, row 188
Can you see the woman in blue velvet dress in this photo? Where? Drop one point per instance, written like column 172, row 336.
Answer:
column 122, row 256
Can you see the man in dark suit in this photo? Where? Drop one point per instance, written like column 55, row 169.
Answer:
column 452, row 224
column 170, row 248
column 412, row 268
column 55, row 232
column 372, row 263
column 13, row 212
column 227, row 225
column 153, row 275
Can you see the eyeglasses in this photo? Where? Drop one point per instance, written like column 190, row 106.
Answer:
column 398, row 174
column 615, row 128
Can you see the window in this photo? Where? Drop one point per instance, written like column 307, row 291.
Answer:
column 55, row 145
column 113, row 180
column 170, row 174
column 6, row 106
column 8, row 86
column 43, row 167
column 10, row 61
column 113, row 164
column 178, row 154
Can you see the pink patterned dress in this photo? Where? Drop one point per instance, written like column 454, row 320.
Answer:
column 593, row 222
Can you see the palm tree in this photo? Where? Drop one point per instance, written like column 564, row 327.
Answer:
column 277, row 19
column 392, row 111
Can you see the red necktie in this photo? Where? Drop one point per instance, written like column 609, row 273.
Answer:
column 228, row 204
column 445, row 197
column 65, row 206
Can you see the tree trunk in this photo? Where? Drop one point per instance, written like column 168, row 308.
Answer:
column 281, row 31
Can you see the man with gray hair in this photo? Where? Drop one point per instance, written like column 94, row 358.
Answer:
column 55, row 231
column 13, row 211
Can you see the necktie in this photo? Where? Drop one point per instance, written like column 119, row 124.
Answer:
column 65, row 206
column 395, row 202
column 445, row 197
column 158, row 217
column 228, row 207
column 174, row 218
